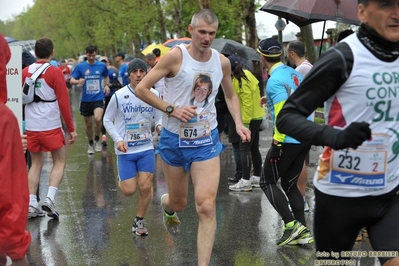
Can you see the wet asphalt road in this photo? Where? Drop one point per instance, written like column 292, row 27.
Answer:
column 96, row 218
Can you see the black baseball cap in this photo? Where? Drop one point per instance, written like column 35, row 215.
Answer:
column 120, row 54
column 270, row 48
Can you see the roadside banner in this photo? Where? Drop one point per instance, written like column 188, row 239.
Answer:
column 14, row 83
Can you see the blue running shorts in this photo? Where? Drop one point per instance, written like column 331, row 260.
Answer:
column 172, row 154
column 130, row 164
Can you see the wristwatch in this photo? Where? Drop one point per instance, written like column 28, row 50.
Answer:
column 169, row 110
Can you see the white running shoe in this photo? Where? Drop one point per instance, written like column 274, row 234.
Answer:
column 306, row 206
column 90, row 149
column 242, row 186
column 97, row 146
column 255, row 180
column 34, row 212
column 49, row 207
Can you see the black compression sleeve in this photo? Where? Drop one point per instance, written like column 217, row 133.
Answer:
column 321, row 83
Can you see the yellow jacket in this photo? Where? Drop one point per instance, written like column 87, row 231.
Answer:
column 249, row 96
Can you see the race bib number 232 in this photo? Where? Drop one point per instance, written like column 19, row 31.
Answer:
column 364, row 167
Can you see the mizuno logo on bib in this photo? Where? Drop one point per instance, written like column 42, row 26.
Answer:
column 196, row 132
column 138, row 133
column 364, row 167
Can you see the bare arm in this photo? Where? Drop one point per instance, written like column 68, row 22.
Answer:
column 106, row 86
column 80, row 81
column 232, row 100
column 168, row 66
column 59, row 86
column 158, row 115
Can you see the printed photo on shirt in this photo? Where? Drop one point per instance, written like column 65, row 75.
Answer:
column 201, row 90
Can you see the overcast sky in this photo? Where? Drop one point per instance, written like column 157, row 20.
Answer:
column 265, row 21
column 9, row 8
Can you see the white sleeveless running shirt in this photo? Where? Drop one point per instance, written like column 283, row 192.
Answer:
column 370, row 94
column 196, row 83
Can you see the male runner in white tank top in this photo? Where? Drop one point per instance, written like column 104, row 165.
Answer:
column 189, row 142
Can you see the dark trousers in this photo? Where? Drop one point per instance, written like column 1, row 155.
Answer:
column 250, row 154
column 107, row 99
column 288, row 169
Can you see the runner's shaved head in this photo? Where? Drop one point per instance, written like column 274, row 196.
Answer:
column 206, row 15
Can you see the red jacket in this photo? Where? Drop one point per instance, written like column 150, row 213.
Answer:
column 14, row 193
column 5, row 55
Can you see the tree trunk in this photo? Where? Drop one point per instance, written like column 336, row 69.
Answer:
column 136, row 44
column 180, row 27
column 161, row 21
column 252, row 39
column 204, row 4
column 307, row 38
column 250, row 25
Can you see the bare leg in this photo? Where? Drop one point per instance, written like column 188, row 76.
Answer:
column 146, row 192
column 21, row 262
column 35, row 171
column 206, row 175
column 177, row 182
column 57, row 172
column 89, row 127
column 98, row 116
column 128, row 186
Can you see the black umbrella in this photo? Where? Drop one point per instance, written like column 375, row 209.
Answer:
column 306, row 12
column 230, row 47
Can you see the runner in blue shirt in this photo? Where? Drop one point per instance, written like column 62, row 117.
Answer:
column 123, row 75
column 93, row 76
column 286, row 155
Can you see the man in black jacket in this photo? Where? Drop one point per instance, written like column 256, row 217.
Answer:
column 357, row 182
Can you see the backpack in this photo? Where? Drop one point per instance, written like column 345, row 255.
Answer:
column 28, row 89
column 115, row 84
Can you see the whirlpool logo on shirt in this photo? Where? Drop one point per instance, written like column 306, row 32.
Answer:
column 130, row 108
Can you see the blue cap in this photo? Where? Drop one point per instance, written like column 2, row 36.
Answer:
column 234, row 61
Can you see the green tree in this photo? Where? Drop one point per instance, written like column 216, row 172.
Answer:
column 307, row 38
column 124, row 25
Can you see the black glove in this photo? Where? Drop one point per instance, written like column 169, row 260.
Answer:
column 275, row 153
column 352, row 136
